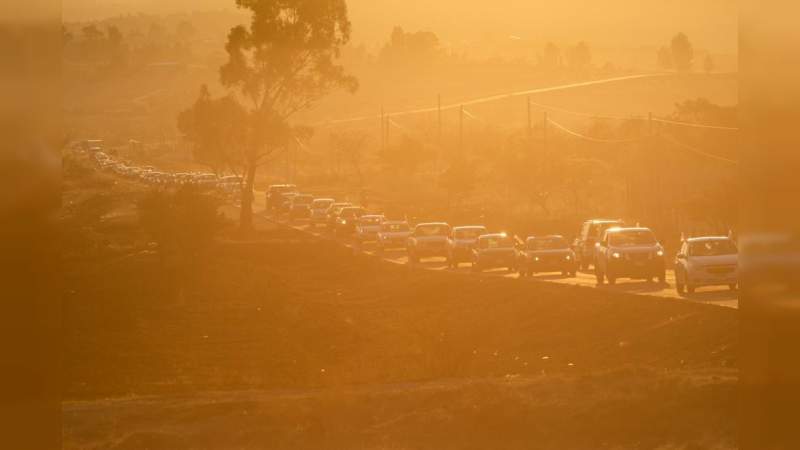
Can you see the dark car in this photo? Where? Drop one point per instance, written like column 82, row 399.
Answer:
column 590, row 232
column 275, row 195
column 629, row 253
column 346, row 220
column 494, row 250
column 547, row 254
column 300, row 207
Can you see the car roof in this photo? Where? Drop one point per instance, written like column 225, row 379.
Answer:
column 708, row 238
column 433, row 224
column 547, row 236
column 352, row 207
column 324, row 199
column 372, row 216
column 469, row 227
column 624, row 229
column 395, row 222
column 493, row 235
column 605, row 220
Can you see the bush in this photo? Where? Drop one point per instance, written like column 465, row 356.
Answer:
column 182, row 222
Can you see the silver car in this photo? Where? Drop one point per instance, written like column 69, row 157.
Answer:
column 461, row 242
column 393, row 234
column 706, row 261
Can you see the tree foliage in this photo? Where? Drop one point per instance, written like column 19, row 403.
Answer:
column 217, row 128
column 183, row 223
column 280, row 64
column 682, row 52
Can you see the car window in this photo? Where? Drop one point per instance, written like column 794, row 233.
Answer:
column 370, row 220
column 491, row 242
column 547, row 244
column 432, row 230
column 469, row 233
column 631, row 238
column 355, row 212
column 712, row 248
column 395, row 227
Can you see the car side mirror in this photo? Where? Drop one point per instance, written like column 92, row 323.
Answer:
column 680, row 256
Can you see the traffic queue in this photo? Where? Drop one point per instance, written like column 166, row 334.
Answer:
column 609, row 248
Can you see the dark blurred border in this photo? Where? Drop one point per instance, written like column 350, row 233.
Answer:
column 30, row 163
column 770, row 246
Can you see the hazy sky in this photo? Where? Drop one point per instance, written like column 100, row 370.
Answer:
column 712, row 24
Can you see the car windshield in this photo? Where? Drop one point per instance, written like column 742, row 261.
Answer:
column 598, row 228
column 469, row 233
column 395, row 227
column 712, row 248
column 547, row 244
column 352, row 212
column 303, row 200
column 319, row 204
column 632, row 238
column 371, row 220
column 490, row 242
column 432, row 230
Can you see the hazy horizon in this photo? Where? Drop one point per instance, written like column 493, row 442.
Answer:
column 712, row 25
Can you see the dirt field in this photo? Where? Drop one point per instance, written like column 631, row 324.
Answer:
column 284, row 341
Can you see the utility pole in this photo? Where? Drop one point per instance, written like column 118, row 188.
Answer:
column 544, row 132
column 383, row 131
column 530, row 125
column 439, row 118
column 461, row 129
column 388, row 129
column 439, row 132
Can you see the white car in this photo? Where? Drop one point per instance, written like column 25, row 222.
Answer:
column 706, row 261
column 393, row 234
column 367, row 228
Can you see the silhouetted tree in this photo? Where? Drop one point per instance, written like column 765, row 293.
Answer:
column 91, row 32
column 281, row 64
column 580, row 57
column 404, row 47
column 552, row 56
column 682, row 52
column 217, row 129
column 708, row 64
column 349, row 145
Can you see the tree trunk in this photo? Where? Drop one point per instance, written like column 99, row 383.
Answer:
column 246, row 213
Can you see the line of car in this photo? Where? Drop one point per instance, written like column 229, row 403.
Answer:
column 609, row 247
column 230, row 184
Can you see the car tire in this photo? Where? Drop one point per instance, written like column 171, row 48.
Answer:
column 662, row 278
column 680, row 288
column 573, row 274
column 612, row 280
column 600, row 276
column 690, row 289
column 476, row 268
column 732, row 287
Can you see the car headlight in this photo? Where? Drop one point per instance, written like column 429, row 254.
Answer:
column 616, row 255
column 568, row 257
column 660, row 253
column 536, row 258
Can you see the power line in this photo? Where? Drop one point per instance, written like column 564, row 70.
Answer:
column 695, row 125
column 589, row 138
column 492, row 98
column 696, row 150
